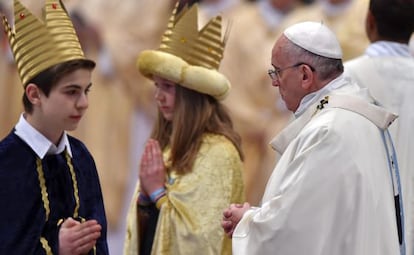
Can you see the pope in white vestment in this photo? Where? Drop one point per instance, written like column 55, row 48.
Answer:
column 333, row 190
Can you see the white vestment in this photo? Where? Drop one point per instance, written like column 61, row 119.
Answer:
column 391, row 82
column 331, row 192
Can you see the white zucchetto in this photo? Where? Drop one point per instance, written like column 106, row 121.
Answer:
column 316, row 38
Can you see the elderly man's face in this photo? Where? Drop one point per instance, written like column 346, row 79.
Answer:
column 288, row 75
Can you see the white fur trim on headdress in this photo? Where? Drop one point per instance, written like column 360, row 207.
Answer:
column 175, row 69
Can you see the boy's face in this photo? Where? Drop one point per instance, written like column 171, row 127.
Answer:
column 66, row 103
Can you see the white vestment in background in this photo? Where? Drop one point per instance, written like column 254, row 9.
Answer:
column 390, row 78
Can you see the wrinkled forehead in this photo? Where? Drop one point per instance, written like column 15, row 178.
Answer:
column 279, row 50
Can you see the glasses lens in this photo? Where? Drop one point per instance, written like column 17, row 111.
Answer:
column 272, row 74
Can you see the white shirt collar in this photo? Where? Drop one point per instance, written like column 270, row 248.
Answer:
column 38, row 142
column 388, row 49
column 311, row 98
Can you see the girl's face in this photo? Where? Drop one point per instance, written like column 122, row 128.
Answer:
column 165, row 97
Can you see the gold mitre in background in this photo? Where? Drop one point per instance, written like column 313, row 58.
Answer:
column 40, row 44
column 189, row 56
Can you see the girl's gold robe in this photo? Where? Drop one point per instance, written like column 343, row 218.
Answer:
column 189, row 218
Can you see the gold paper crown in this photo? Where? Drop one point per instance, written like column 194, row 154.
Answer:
column 188, row 56
column 182, row 39
column 38, row 45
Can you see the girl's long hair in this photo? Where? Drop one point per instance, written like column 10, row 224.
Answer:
column 194, row 115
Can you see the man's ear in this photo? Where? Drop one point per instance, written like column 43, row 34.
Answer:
column 307, row 76
column 33, row 93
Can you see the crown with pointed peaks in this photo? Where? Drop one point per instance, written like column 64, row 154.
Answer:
column 183, row 39
column 40, row 44
column 187, row 56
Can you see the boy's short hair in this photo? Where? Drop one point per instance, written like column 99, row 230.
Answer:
column 49, row 78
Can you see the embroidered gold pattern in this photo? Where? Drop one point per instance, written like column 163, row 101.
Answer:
column 42, row 182
column 46, row 246
column 321, row 104
column 75, row 184
column 45, row 196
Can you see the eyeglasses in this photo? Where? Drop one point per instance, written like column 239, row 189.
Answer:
column 275, row 73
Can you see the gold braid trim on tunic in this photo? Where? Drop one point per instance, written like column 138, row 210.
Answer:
column 189, row 220
column 45, row 197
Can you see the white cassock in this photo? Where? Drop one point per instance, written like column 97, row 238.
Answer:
column 331, row 192
column 390, row 78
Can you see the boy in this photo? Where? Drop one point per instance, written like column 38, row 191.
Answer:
column 50, row 194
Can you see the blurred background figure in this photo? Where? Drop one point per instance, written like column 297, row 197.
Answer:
column 386, row 69
column 10, row 85
column 345, row 17
column 211, row 8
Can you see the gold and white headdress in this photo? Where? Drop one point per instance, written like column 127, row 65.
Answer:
column 187, row 56
column 40, row 44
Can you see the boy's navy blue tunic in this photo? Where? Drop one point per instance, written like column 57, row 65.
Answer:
column 25, row 215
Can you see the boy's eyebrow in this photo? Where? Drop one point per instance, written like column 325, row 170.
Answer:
column 76, row 86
